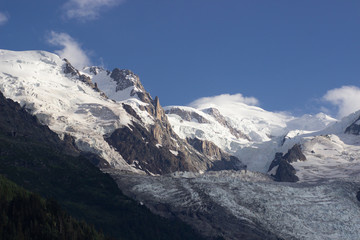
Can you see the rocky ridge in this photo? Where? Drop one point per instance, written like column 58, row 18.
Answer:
column 162, row 151
column 96, row 106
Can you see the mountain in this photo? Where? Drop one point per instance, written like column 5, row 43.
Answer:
column 228, row 169
column 35, row 158
column 99, row 109
column 328, row 148
column 250, row 133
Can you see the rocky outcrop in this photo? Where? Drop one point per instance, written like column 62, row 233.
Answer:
column 140, row 149
column 131, row 111
column 354, row 128
column 125, row 78
column 160, row 132
column 285, row 172
column 281, row 169
column 294, row 154
column 206, row 147
column 219, row 160
column 69, row 69
column 187, row 115
column 156, row 148
column 358, row 196
column 96, row 70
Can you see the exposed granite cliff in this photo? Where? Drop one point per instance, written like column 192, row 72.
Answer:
column 220, row 160
column 156, row 148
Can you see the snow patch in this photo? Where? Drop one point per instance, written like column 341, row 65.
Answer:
column 174, row 152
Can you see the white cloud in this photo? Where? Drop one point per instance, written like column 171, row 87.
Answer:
column 71, row 49
column 3, row 18
column 224, row 99
column 88, row 9
column 346, row 99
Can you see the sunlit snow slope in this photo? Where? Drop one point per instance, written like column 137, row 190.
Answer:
column 248, row 132
column 36, row 80
column 99, row 107
column 332, row 153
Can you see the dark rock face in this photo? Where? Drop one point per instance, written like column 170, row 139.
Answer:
column 69, row 69
column 294, row 154
column 219, row 160
column 95, row 70
column 228, row 163
column 358, row 196
column 139, row 147
column 276, row 161
column 96, row 160
column 17, row 123
column 161, row 131
column 124, row 78
column 145, row 154
column 205, row 147
column 354, row 128
column 131, row 111
column 285, row 172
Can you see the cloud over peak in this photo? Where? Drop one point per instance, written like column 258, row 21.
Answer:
column 3, row 18
column 224, row 99
column 87, row 9
column 345, row 98
column 71, row 49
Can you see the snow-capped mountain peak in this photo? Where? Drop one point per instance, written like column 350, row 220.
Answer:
column 108, row 113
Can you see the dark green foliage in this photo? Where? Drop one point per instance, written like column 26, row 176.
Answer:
column 84, row 191
column 33, row 157
column 24, row 215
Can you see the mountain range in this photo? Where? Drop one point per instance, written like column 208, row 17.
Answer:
column 227, row 169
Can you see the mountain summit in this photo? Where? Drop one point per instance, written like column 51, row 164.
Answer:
column 108, row 113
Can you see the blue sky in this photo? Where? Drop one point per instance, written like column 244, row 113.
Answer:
column 297, row 56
